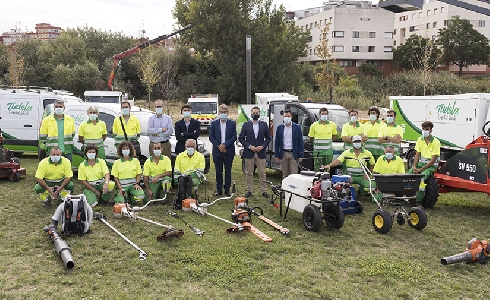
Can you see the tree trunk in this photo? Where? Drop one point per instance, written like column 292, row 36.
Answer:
column 460, row 70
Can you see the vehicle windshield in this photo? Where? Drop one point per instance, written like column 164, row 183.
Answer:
column 102, row 99
column 339, row 117
column 204, row 107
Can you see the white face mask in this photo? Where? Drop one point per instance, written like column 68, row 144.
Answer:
column 125, row 111
column 389, row 155
column 373, row 117
column 91, row 155
column 223, row 116
column 92, row 117
column 357, row 145
column 55, row 158
column 125, row 152
column 187, row 114
column 190, row 150
column 323, row 117
column 353, row 119
column 390, row 119
column 59, row 110
column 425, row 133
column 157, row 152
column 159, row 110
column 287, row 120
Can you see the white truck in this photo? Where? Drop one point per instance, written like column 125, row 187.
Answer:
column 204, row 108
column 303, row 113
column 106, row 97
column 458, row 120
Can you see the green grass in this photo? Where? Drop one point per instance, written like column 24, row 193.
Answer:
column 354, row 262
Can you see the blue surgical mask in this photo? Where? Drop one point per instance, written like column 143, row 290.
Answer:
column 187, row 114
column 59, row 110
column 353, row 119
column 125, row 152
column 55, row 158
column 389, row 155
column 357, row 145
column 390, row 119
column 223, row 116
column 425, row 133
column 323, row 117
column 190, row 150
column 287, row 120
column 157, row 152
column 373, row 117
column 125, row 111
column 92, row 117
column 159, row 110
column 91, row 155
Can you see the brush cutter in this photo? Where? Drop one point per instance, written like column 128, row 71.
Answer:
column 196, row 230
column 101, row 217
column 125, row 210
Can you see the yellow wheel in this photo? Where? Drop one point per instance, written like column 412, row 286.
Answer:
column 417, row 218
column 382, row 221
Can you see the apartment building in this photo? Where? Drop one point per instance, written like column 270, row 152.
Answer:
column 359, row 33
column 44, row 31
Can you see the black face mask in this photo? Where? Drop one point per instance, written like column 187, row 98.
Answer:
column 255, row 117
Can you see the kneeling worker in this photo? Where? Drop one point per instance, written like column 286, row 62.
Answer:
column 353, row 167
column 190, row 162
column 389, row 163
column 157, row 172
column 94, row 176
column 53, row 177
column 127, row 174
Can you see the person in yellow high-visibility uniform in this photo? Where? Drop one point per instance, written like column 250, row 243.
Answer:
column 389, row 163
column 157, row 172
column 127, row 174
column 372, row 130
column 321, row 134
column 126, row 125
column 351, row 129
column 93, row 132
column 190, row 162
column 391, row 133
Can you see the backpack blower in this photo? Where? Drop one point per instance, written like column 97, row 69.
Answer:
column 476, row 251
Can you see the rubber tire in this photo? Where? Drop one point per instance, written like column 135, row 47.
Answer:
column 334, row 215
column 410, row 157
column 312, row 217
column 418, row 218
column 360, row 208
column 431, row 192
column 382, row 221
column 41, row 154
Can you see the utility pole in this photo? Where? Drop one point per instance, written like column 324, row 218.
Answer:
column 248, row 46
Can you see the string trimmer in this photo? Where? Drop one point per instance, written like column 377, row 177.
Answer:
column 101, row 217
column 196, row 230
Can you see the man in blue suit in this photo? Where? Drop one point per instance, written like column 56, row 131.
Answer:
column 289, row 145
column 186, row 128
column 255, row 138
column 222, row 134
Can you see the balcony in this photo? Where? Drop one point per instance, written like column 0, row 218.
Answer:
column 398, row 6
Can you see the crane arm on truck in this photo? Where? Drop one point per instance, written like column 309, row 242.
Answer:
column 117, row 58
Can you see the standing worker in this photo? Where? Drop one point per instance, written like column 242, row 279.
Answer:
column 127, row 128
column 222, row 134
column 255, row 137
column 186, row 128
column 391, row 133
column 321, row 134
column 58, row 130
column 372, row 130
column 289, row 145
column 93, row 132
column 160, row 129
column 351, row 129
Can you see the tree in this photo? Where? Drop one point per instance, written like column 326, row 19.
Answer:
column 148, row 71
column 417, row 53
column 16, row 68
column 4, row 63
column 220, row 28
column 325, row 77
column 462, row 44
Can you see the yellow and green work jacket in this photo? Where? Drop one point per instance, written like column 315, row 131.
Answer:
column 132, row 127
column 93, row 174
column 92, row 134
column 323, row 134
column 48, row 133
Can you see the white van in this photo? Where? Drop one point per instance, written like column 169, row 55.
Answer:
column 109, row 112
column 21, row 112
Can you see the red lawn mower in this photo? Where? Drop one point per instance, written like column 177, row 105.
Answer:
column 9, row 165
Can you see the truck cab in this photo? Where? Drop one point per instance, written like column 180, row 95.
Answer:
column 204, row 109
column 106, row 97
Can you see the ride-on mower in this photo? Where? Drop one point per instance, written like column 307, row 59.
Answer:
column 9, row 165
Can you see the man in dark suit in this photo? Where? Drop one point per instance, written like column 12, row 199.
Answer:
column 186, row 128
column 289, row 145
column 255, row 137
column 222, row 134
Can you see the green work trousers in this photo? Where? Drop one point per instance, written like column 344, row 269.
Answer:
column 322, row 158
column 134, row 195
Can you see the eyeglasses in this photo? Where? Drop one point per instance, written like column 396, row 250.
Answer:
column 356, row 141
column 158, row 106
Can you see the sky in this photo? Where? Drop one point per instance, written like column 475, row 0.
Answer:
column 127, row 16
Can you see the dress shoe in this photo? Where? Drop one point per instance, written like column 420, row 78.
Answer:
column 248, row 194
column 227, row 193
column 217, row 194
column 265, row 195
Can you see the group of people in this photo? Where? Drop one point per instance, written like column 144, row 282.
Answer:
column 54, row 173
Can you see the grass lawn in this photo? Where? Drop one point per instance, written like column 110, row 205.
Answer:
column 354, row 262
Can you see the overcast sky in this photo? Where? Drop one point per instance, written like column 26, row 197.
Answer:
column 126, row 16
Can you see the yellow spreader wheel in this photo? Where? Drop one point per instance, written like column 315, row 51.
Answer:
column 382, row 221
column 417, row 218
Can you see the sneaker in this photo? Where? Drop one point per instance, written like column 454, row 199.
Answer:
column 265, row 195
column 248, row 194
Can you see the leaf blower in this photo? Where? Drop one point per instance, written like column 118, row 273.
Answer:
column 476, row 251
column 60, row 246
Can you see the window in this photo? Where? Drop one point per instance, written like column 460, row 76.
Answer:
column 394, row 32
column 427, row 26
column 311, row 39
column 377, row 63
column 355, row 48
column 394, row 43
column 442, row 10
column 372, row 35
column 320, row 23
column 302, row 28
column 411, row 28
column 306, row 26
column 447, row 22
column 108, row 119
column 311, row 52
column 314, row 51
column 481, row 23
column 370, row 48
column 388, row 48
column 355, row 34
column 311, row 25
column 434, row 25
column 338, row 48
column 316, row 24
column 339, row 34
column 435, row 11
column 347, row 63
column 428, row 12
column 388, row 35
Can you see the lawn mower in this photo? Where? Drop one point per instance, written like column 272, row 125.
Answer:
column 399, row 191
column 312, row 193
column 121, row 210
column 476, row 251
column 9, row 165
